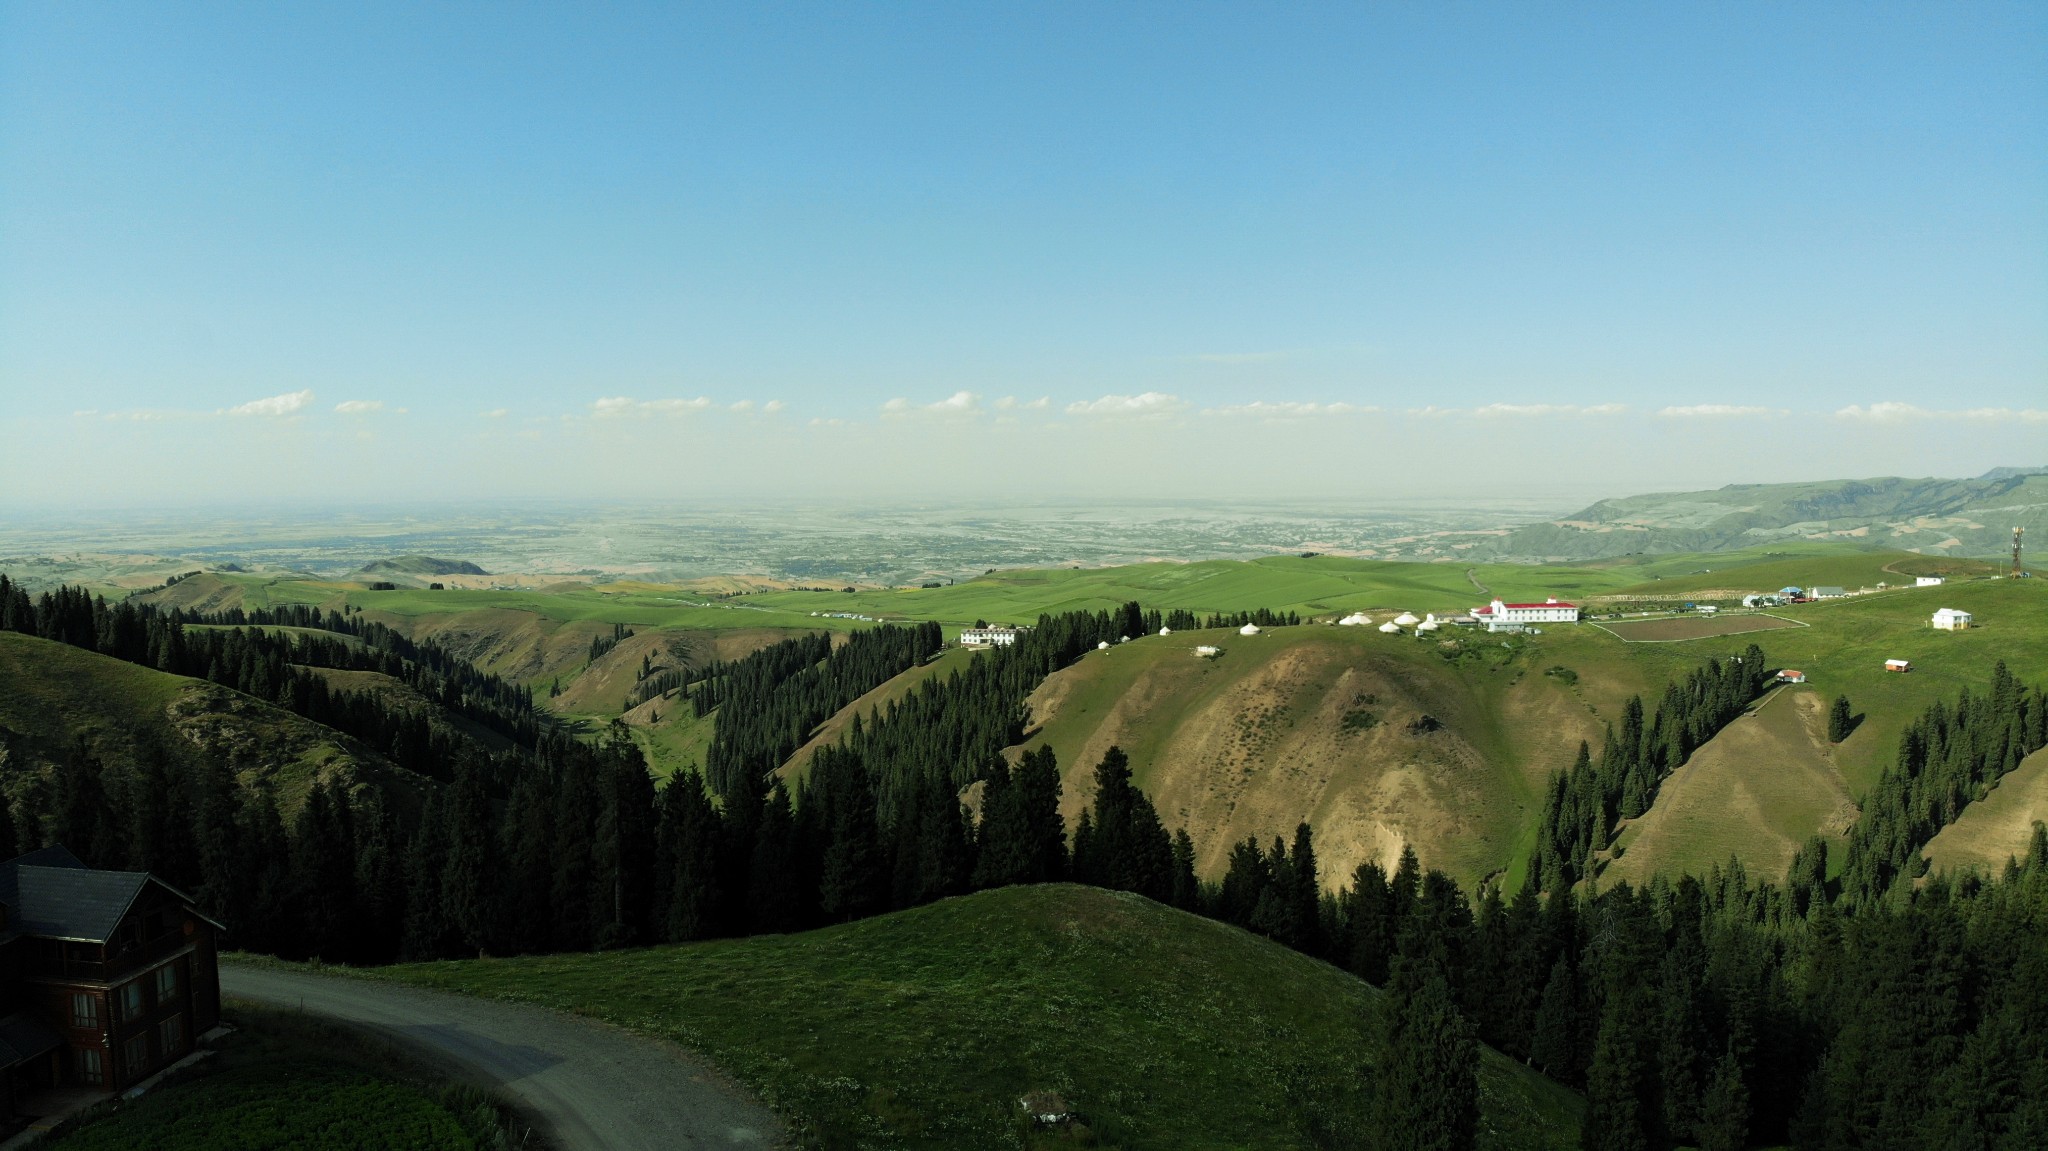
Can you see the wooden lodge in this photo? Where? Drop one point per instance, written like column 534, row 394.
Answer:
column 106, row 977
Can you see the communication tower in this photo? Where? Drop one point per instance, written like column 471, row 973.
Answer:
column 2016, row 573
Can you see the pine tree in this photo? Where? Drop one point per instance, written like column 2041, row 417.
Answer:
column 691, row 827
column 1615, row 1097
column 1426, row 1095
column 1187, row 890
column 85, row 820
column 1840, row 721
column 469, row 882
column 1552, row 1046
column 774, row 895
column 1724, row 1110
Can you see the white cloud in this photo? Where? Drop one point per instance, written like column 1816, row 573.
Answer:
column 1605, row 409
column 743, row 406
column 1288, row 409
column 1147, row 404
column 627, row 405
column 773, row 406
column 1893, row 412
column 497, row 413
column 960, row 403
column 359, row 407
column 1525, row 410
column 1013, row 404
column 822, row 422
column 283, row 405
column 1716, row 411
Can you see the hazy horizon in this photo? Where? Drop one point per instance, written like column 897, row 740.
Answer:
column 323, row 255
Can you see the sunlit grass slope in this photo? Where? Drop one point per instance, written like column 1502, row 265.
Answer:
column 1997, row 828
column 923, row 1028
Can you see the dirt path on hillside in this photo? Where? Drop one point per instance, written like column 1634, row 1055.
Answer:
column 586, row 1084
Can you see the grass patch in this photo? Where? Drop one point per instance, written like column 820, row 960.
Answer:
column 922, row 1029
column 287, row 1080
column 1695, row 627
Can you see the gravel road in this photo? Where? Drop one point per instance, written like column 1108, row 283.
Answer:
column 587, row 1085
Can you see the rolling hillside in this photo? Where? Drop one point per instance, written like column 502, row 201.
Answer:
column 1257, row 740
column 50, row 694
column 1379, row 741
column 923, row 1028
column 1953, row 517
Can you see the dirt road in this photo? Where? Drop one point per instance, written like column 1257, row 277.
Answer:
column 588, row 1086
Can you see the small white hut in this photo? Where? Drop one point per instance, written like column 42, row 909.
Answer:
column 1103, row 646
column 1355, row 619
column 1249, row 629
column 1427, row 625
column 1207, row 652
column 1166, row 631
column 1390, row 627
column 1407, row 619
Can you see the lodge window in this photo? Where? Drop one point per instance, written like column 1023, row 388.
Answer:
column 135, row 1053
column 131, row 999
column 170, row 1035
column 166, row 982
column 89, row 1065
column 85, row 1010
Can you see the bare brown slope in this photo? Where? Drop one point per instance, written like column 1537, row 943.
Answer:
column 1998, row 827
column 1757, row 790
column 1257, row 740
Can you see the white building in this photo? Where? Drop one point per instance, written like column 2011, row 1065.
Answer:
column 1499, row 616
column 1927, row 581
column 1207, row 652
column 1249, row 629
column 1827, row 593
column 1390, row 627
column 1355, row 619
column 1407, row 619
column 1949, row 619
column 988, row 636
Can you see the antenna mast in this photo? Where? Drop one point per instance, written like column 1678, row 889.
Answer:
column 2016, row 533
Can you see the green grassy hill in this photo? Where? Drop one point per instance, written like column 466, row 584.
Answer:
column 51, row 694
column 923, row 1028
column 1256, row 741
column 1954, row 517
column 418, row 565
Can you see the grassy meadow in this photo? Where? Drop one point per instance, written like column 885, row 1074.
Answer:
column 288, row 1080
column 923, row 1029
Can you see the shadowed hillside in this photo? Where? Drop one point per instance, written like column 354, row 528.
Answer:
column 52, row 694
column 923, row 1028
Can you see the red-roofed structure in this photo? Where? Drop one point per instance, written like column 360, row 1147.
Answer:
column 1503, row 616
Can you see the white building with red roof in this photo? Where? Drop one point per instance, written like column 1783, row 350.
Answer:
column 1500, row 616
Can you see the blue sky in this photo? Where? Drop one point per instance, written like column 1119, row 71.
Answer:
column 1325, row 250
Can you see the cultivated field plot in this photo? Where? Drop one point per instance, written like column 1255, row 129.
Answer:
column 1694, row 627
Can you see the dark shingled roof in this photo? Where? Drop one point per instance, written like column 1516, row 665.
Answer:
column 72, row 902
column 23, row 1038
column 50, row 893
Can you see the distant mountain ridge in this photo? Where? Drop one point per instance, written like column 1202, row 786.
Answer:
column 420, row 565
column 1964, row 517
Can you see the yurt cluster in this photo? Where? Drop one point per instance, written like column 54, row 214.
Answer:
column 1405, row 622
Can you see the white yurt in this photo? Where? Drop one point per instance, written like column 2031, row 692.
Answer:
column 1407, row 619
column 1390, row 627
column 1166, row 631
column 1428, row 625
column 1103, row 646
column 1355, row 619
column 1207, row 652
column 1249, row 629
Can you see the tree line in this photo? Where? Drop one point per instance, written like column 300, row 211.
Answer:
column 1582, row 804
